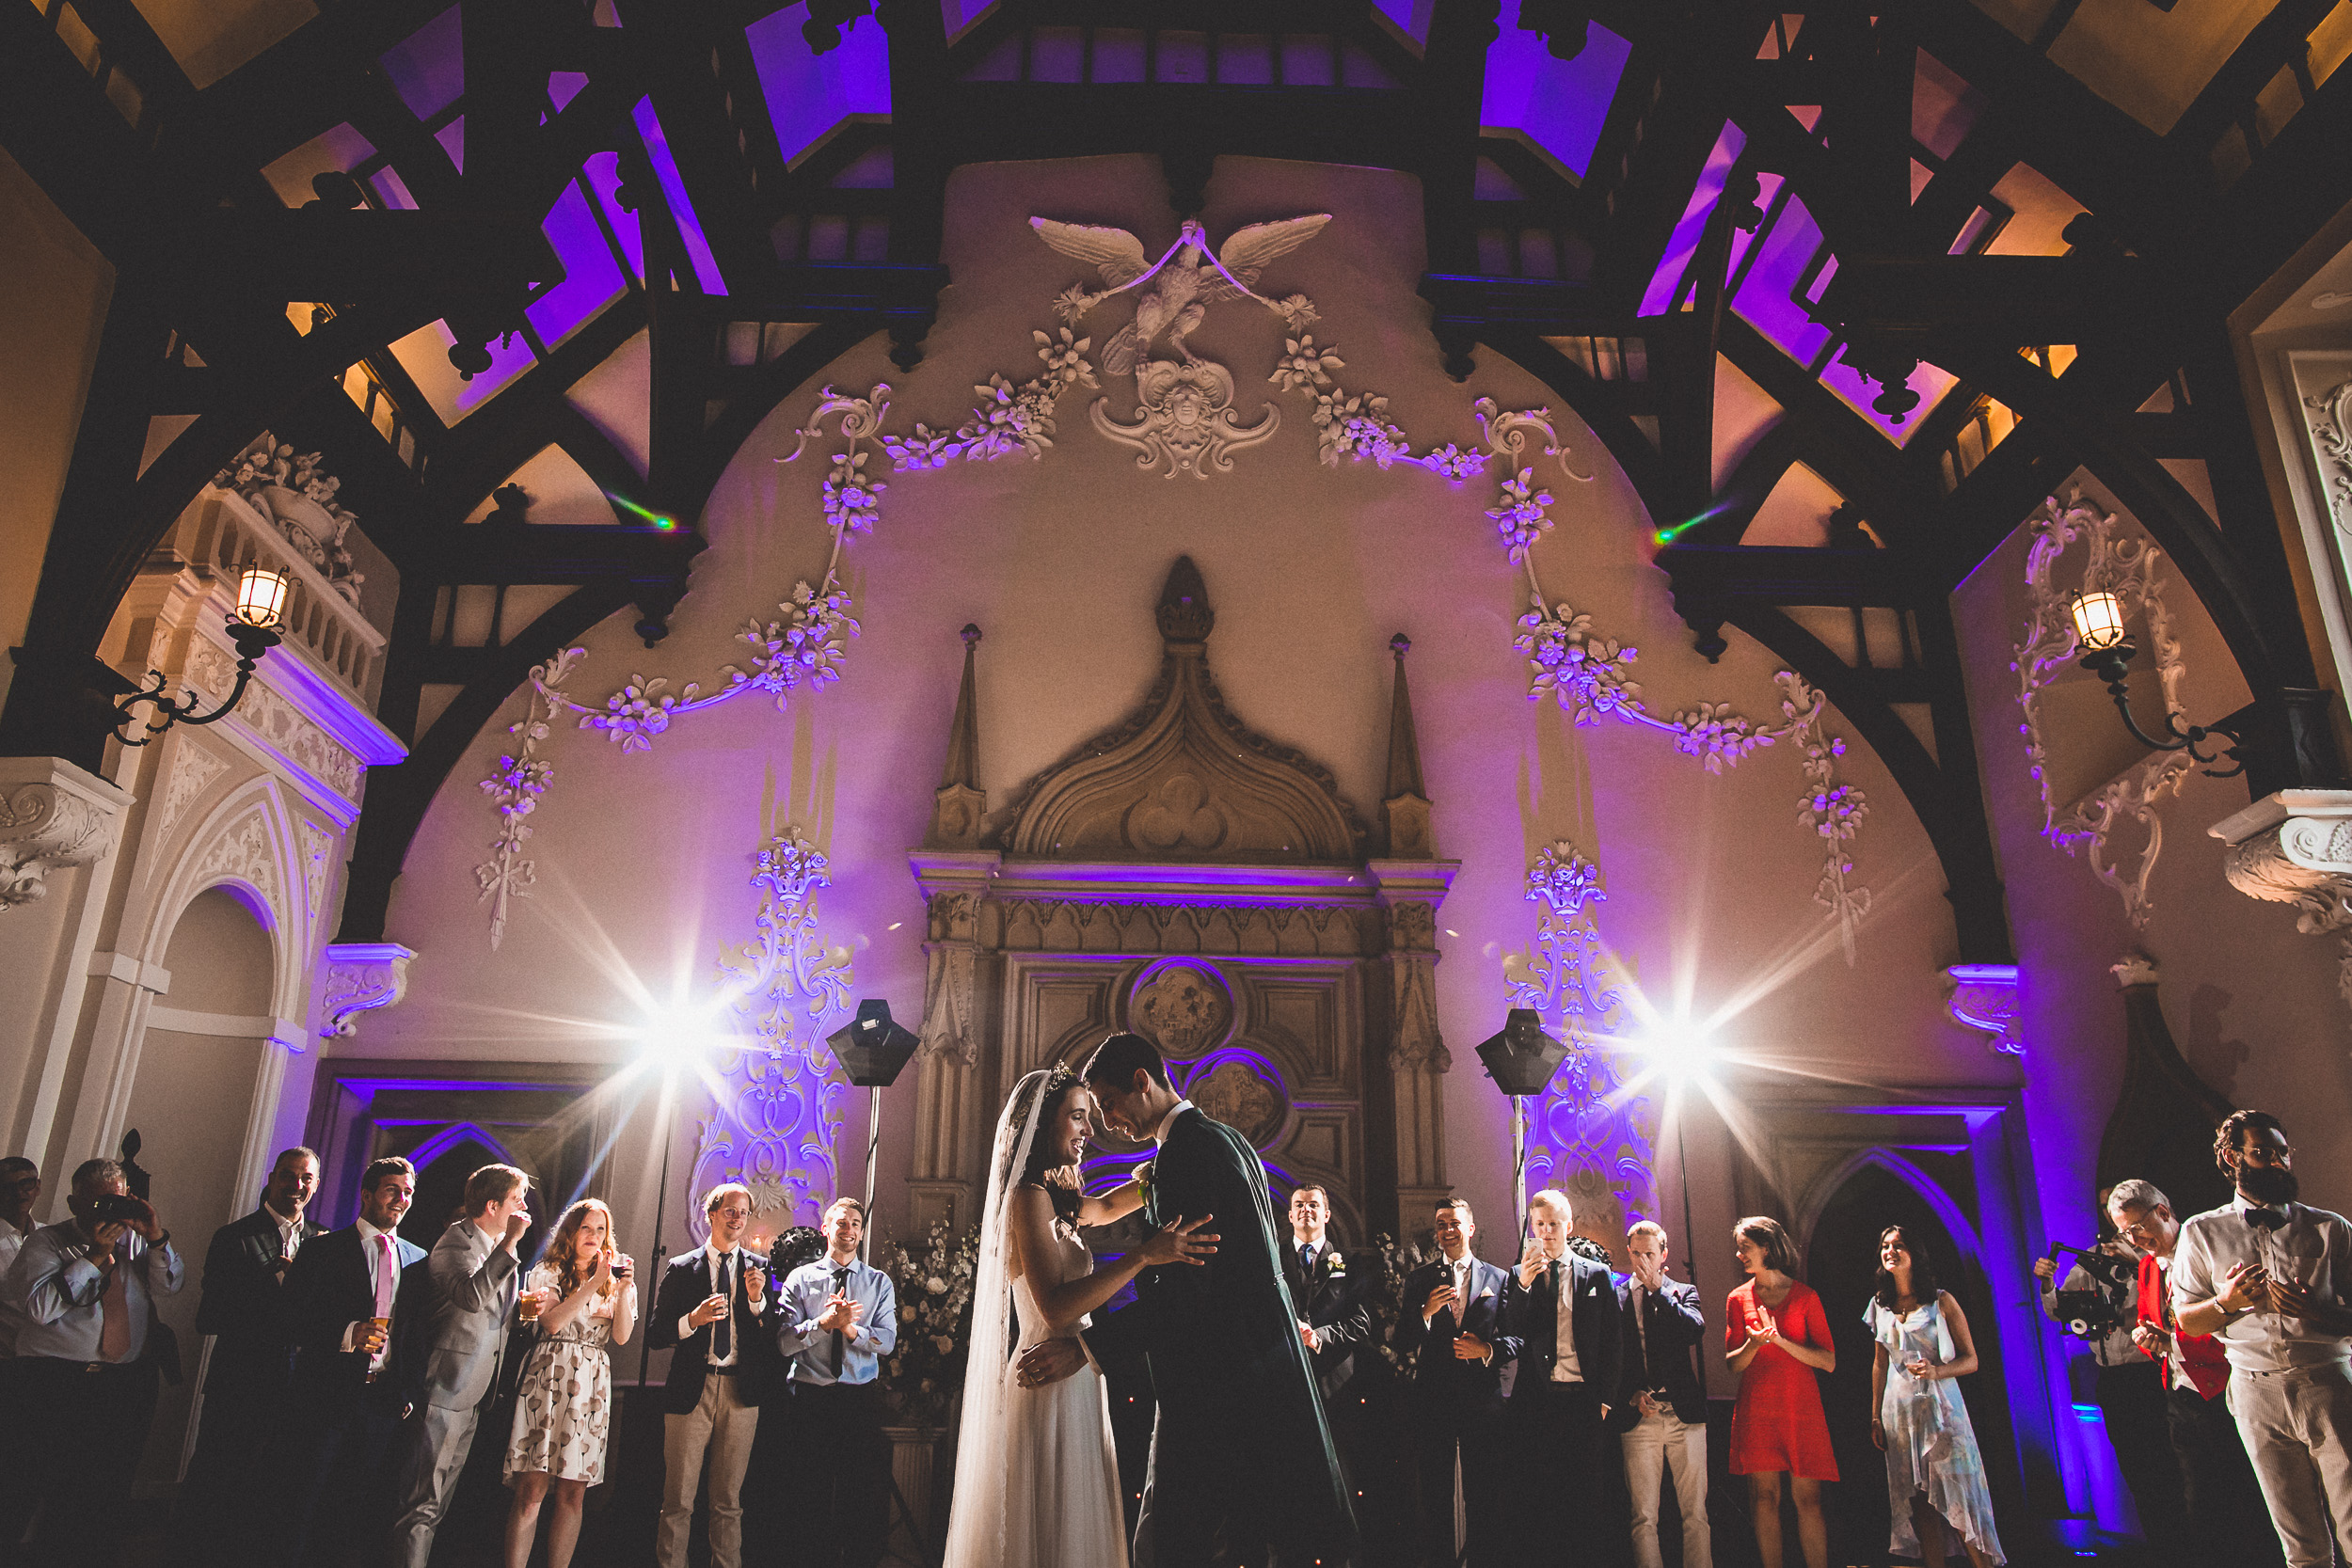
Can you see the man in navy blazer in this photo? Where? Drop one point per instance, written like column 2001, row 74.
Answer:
column 1453, row 1343
column 1562, row 1309
column 243, row 1308
column 713, row 1312
column 1662, row 1406
column 344, row 1402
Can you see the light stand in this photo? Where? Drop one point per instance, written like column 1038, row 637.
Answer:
column 873, row 1050
column 660, row 1213
column 1521, row 1058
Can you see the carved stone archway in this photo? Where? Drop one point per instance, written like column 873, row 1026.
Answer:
column 1188, row 880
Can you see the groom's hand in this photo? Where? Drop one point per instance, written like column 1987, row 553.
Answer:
column 1049, row 1361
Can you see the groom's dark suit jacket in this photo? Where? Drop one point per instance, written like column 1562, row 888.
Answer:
column 1233, row 1383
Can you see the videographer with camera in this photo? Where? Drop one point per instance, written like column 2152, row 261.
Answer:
column 2268, row 1274
column 2226, row 1518
column 2094, row 1303
column 80, row 1298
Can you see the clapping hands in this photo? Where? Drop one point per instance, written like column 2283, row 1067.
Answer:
column 1763, row 1329
column 840, row 1315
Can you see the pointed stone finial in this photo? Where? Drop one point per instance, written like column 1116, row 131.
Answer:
column 1407, row 804
column 1183, row 612
column 960, row 806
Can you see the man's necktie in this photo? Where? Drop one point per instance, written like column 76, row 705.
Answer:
column 2264, row 1219
column 1641, row 1331
column 114, row 1312
column 723, row 1332
column 1306, row 1263
column 386, row 1282
column 840, row 1344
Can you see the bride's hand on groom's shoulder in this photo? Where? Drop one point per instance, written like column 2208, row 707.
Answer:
column 1181, row 1240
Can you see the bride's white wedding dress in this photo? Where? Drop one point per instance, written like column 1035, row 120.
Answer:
column 1037, row 1475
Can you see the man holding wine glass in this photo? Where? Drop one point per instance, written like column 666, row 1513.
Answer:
column 712, row 1309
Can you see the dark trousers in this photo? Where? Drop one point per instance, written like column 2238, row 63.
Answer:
column 333, row 1463
column 842, row 1473
column 86, row 1424
column 2228, row 1521
column 1473, row 1438
column 1554, row 1435
column 2132, row 1408
column 244, row 1401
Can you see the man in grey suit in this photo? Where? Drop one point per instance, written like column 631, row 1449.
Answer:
column 471, row 1281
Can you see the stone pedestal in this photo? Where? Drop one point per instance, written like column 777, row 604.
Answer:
column 2295, row 846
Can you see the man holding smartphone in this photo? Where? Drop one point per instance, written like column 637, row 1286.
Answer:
column 2267, row 1274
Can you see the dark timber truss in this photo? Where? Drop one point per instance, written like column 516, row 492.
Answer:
column 166, row 181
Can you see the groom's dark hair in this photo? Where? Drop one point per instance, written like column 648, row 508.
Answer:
column 1116, row 1059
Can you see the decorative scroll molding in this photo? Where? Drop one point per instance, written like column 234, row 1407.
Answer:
column 949, row 1027
column 2328, row 420
column 244, row 851
column 297, row 496
column 53, row 816
column 360, row 977
column 2126, row 566
column 318, row 865
column 1587, row 1120
column 777, row 1095
column 278, row 722
column 2295, row 847
column 521, row 777
column 194, row 766
column 1990, row 998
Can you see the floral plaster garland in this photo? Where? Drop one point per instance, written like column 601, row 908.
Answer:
column 1184, row 424
column 1585, row 1120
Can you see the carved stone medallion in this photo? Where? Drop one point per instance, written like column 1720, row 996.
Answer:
column 1234, row 1093
column 1181, row 1010
column 1184, row 418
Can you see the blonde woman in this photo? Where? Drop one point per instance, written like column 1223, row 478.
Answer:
column 587, row 1299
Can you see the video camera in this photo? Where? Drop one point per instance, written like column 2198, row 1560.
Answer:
column 116, row 1208
column 2111, row 1304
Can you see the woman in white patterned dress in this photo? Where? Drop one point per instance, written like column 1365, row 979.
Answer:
column 587, row 1303
column 1934, row 1473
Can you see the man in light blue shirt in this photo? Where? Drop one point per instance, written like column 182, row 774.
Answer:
column 78, row 1298
column 839, row 1317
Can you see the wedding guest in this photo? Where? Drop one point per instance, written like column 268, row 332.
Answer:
column 711, row 1308
column 20, row 1190
column 344, row 1407
column 1775, row 1339
column 1562, row 1307
column 2268, row 1273
column 469, row 1296
column 838, row 1318
column 81, row 1295
column 2129, row 1392
column 1661, row 1403
column 1934, row 1474
column 244, row 1308
column 2220, row 1503
column 1453, row 1342
column 586, row 1303
column 1334, row 1317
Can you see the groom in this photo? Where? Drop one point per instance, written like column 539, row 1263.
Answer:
column 1239, row 1446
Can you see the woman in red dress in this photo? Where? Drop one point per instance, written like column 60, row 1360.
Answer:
column 1775, row 1338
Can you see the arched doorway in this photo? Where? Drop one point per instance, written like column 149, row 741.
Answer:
column 1841, row 1263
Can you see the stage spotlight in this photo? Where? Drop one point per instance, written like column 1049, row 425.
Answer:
column 871, row 1048
column 1680, row 1052
column 681, row 1040
column 1521, row 1056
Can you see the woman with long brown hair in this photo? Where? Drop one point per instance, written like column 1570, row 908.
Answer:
column 1775, row 1339
column 1934, row 1474
column 586, row 1301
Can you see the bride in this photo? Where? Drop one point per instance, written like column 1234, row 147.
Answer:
column 1037, row 1479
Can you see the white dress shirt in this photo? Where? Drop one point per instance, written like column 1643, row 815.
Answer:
column 2313, row 1247
column 1160, row 1135
column 715, row 1261
column 289, row 1233
column 357, row 1330
column 59, row 1292
column 1566, row 1367
column 12, row 1243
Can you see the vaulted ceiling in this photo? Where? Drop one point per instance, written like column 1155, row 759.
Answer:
column 1915, row 261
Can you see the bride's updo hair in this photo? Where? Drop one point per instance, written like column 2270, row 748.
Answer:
column 1051, row 1100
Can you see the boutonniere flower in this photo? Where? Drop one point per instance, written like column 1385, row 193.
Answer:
column 1334, row 1266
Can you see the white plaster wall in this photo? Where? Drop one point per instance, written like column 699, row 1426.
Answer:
column 642, row 860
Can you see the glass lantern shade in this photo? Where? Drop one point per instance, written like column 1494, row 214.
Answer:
column 262, row 597
column 2098, row 619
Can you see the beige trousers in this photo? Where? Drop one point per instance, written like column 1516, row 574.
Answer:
column 1666, row 1441
column 724, row 1428
column 2296, row 1425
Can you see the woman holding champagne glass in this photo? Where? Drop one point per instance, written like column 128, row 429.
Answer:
column 583, row 1297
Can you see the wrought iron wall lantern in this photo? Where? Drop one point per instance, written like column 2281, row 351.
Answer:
column 2107, row 651
column 253, row 627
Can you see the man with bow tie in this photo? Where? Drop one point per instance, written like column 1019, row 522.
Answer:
column 838, row 1318
column 712, row 1310
column 2268, row 1276
column 1563, row 1307
column 1662, row 1404
column 1453, row 1343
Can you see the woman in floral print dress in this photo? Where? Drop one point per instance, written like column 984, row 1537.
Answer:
column 563, row 1405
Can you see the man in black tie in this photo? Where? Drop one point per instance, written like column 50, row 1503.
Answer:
column 839, row 1317
column 1662, row 1404
column 1452, row 1342
column 711, row 1309
column 244, row 1308
column 329, row 1486
column 1564, row 1311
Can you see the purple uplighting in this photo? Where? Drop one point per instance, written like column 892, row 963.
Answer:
column 428, row 67
column 603, row 173
column 592, row 279
column 689, row 226
column 1665, row 285
column 1557, row 104
column 808, row 95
